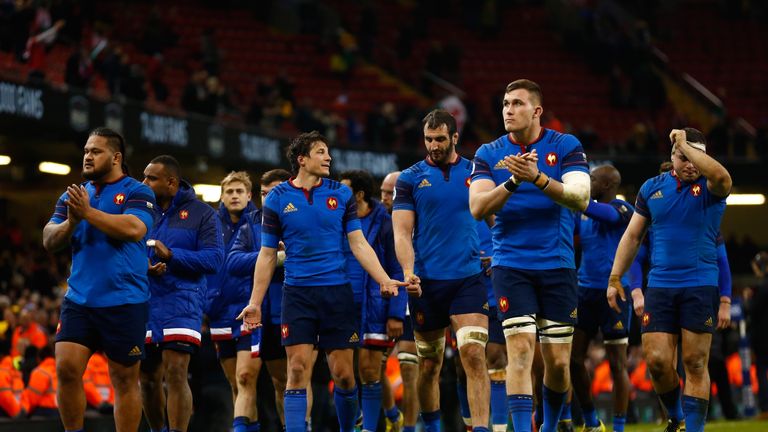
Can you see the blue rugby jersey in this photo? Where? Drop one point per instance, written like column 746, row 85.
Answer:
column 105, row 271
column 532, row 232
column 599, row 241
column 312, row 224
column 685, row 221
column 445, row 233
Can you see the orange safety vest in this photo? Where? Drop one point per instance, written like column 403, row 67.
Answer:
column 602, row 382
column 96, row 381
column 640, row 379
column 11, row 388
column 34, row 333
column 41, row 390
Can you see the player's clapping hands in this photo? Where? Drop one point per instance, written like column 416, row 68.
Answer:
column 523, row 166
column 78, row 203
column 251, row 316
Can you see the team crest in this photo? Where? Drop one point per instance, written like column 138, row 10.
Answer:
column 58, row 327
column 551, row 159
column 503, row 304
column 119, row 199
column 420, row 318
column 332, row 203
column 184, row 214
column 696, row 190
column 468, row 181
column 646, row 319
column 284, row 331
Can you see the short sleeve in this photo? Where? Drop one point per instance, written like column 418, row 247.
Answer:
column 404, row 193
column 271, row 228
column 350, row 220
column 481, row 169
column 573, row 158
column 625, row 210
column 141, row 203
column 641, row 203
column 60, row 211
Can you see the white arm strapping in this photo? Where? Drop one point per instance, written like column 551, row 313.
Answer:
column 576, row 190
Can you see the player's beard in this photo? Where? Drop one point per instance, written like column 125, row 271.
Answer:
column 442, row 156
column 96, row 172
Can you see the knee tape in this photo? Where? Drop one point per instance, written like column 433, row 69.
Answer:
column 471, row 334
column 407, row 358
column 620, row 341
column 555, row 332
column 518, row 325
column 431, row 349
column 497, row 374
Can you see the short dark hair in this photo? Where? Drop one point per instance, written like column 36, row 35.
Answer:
column 361, row 181
column 115, row 141
column 274, row 175
column 301, row 146
column 439, row 117
column 694, row 135
column 170, row 163
column 665, row 167
column 529, row 85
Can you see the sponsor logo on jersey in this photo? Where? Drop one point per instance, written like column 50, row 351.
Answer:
column 135, row 351
column 618, row 326
column 575, row 313
column 424, row 183
column 657, row 195
column 354, row 338
column 708, row 322
column 290, row 208
column 500, row 165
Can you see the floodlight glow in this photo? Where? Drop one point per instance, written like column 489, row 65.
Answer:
column 54, row 168
column 745, row 199
column 209, row 192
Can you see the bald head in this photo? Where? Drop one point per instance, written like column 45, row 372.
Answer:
column 605, row 183
column 388, row 189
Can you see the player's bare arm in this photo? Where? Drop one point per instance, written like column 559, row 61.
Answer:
column 625, row 254
column 719, row 180
column 402, row 225
column 572, row 192
column 262, row 275
column 370, row 262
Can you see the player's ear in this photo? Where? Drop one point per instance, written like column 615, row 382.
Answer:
column 455, row 138
column 538, row 111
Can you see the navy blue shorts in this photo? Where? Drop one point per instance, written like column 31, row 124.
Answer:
column 550, row 294
column 667, row 310
column 442, row 298
column 270, row 347
column 319, row 315
column 495, row 329
column 117, row 330
column 407, row 330
column 228, row 348
column 595, row 314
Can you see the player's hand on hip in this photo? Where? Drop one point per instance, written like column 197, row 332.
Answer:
column 251, row 316
column 724, row 316
column 615, row 289
column 394, row 328
column 638, row 301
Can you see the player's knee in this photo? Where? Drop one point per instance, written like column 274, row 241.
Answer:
column 431, row 350
column 695, row 363
column 473, row 357
column 246, row 378
column 369, row 373
column 296, row 371
column 658, row 362
column 407, row 359
column 67, row 372
column 519, row 325
column 176, row 374
column 555, row 332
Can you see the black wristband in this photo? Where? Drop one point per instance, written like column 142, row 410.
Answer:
column 510, row 185
column 546, row 184
column 538, row 175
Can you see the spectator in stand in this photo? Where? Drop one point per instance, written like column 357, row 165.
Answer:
column 41, row 390
column 195, row 92
column 209, row 51
column 155, row 72
column 29, row 330
column 79, row 69
column 37, row 46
